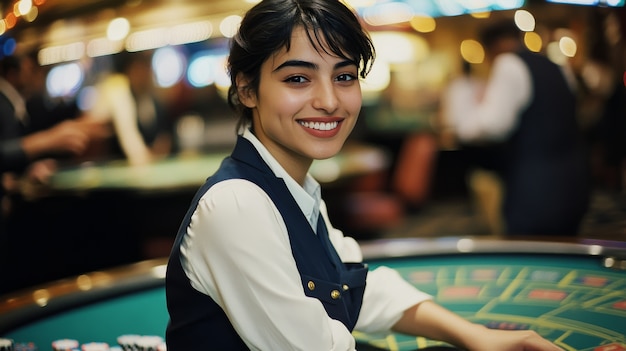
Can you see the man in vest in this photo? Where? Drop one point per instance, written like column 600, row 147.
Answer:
column 529, row 110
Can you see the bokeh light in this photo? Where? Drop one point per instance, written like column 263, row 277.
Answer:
column 524, row 20
column 568, row 46
column 230, row 25
column 169, row 66
column 472, row 51
column 118, row 29
column 423, row 23
column 64, row 80
column 533, row 41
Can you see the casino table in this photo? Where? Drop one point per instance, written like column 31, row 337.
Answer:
column 573, row 293
column 189, row 171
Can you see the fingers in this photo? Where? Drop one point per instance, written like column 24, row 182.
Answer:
column 95, row 129
column 74, row 136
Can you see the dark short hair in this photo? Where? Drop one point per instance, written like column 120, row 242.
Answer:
column 268, row 26
column 501, row 29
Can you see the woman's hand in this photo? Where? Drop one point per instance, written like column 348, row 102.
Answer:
column 432, row 321
column 510, row 340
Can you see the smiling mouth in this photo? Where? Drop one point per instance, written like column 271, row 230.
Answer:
column 319, row 125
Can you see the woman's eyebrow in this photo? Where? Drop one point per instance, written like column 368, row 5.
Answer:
column 311, row 65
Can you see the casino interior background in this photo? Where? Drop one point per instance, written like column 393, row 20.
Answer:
column 413, row 184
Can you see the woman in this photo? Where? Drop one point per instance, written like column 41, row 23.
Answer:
column 253, row 266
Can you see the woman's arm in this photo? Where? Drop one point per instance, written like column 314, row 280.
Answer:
column 435, row 322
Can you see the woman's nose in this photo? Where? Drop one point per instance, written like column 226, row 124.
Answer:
column 326, row 98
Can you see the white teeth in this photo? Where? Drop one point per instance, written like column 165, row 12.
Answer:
column 319, row 126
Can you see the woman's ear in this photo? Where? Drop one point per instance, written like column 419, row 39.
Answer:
column 246, row 94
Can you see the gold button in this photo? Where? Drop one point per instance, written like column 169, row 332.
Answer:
column 335, row 294
column 311, row 285
column 345, row 287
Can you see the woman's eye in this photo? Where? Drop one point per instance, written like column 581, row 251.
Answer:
column 296, row 79
column 346, row 77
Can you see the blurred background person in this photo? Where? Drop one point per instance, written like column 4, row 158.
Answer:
column 29, row 156
column 126, row 99
column 483, row 157
column 44, row 110
column 529, row 106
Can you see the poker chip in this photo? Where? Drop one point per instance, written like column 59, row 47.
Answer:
column 65, row 345
column 6, row 344
column 128, row 342
column 149, row 343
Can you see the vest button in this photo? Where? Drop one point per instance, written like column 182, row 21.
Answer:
column 311, row 285
column 345, row 287
column 335, row 294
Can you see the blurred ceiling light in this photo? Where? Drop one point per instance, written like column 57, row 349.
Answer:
column 475, row 5
column 118, row 29
column 190, row 32
column 508, row 4
column 399, row 47
column 169, row 66
column 472, row 51
column 64, row 80
column 524, row 20
column 423, row 23
column 230, row 25
column 10, row 20
column 201, row 70
column 103, row 46
column 533, row 41
column 3, row 26
column 568, row 46
column 23, row 7
column 450, row 8
column 208, row 67
column 147, row 39
column 387, row 13
column 61, row 53
column 31, row 15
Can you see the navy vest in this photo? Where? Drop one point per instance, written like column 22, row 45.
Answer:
column 198, row 323
column 545, row 173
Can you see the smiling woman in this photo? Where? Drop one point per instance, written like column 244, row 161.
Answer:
column 256, row 263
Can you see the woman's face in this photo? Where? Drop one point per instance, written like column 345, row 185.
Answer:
column 307, row 103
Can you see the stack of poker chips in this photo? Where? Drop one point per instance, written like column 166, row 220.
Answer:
column 6, row 345
column 132, row 342
column 149, row 343
column 65, row 345
column 9, row 345
column 128, row 342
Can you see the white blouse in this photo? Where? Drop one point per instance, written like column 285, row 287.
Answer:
column 237, row 251
column 495, row 117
